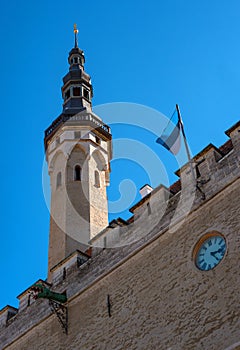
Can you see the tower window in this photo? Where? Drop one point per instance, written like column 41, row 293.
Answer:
column 98, row 140
column 75, row 59
column 86, row 93
column 97, row 178
column 67, row 94
column 76, row 91
column 77, row 173
column 59, row 180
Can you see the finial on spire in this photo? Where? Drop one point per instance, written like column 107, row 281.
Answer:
column 75, row 30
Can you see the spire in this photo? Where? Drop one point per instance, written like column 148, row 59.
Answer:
column 75, row 30
column 77, row 88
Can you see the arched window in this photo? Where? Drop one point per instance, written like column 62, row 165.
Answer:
column 77, row 173
column 59, row 180
column 97, row 178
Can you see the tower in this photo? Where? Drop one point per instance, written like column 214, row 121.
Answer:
column 78, row 152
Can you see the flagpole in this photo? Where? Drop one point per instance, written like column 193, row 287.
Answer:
column 185, row 143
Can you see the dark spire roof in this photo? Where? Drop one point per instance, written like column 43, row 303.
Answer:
column 77, row 89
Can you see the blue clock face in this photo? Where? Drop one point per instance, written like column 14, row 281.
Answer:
column 211, row 252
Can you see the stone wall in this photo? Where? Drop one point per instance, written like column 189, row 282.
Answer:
column 159, row 299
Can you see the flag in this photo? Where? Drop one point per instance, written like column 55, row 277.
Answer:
column 171, row 136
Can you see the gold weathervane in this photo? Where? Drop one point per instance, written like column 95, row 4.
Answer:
column 75, row 29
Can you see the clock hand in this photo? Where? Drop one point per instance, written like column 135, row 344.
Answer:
column 220, row 250
column 217, row 251
column 214, row 255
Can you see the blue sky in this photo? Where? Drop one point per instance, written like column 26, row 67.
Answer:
column 155, row 53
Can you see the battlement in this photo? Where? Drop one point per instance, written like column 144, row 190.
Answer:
column 214, row 169
column 157, row 214
column 6, row 314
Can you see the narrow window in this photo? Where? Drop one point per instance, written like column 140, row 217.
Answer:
column 97, row 178
column 149, row 209
column 29, row 300
column 76, row 91
column 104, row 242
column 98, row 140
column 77, row 173
column 86, row 93
column 75, row 59
column 197, row 171
column 64, row 273
column 67, row 94
column 59, row 179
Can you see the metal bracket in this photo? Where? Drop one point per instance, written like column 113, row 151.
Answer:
column 62, row 314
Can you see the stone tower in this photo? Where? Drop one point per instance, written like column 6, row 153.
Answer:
column 78, row 152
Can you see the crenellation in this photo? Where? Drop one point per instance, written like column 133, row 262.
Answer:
column 215, row 171
column 234, row 134
column 74, row 260
column 7, row 314
column 24, row 321
column 26, row 298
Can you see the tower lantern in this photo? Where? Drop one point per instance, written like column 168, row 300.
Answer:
column 77, row 91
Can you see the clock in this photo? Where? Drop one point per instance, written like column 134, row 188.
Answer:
column 209, row 251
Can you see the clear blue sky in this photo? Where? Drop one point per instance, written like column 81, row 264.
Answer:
column 156, row 53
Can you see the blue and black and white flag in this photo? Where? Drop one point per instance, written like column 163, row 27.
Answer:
column 171, row 136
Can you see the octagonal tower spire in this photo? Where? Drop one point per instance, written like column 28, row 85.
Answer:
column 77, row 91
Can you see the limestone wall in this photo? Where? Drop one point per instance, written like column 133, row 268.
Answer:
column 159, row 299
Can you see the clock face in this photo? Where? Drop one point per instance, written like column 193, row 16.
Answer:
column 210, row 252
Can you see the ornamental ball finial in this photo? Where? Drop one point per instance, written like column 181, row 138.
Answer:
column 75, row 30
